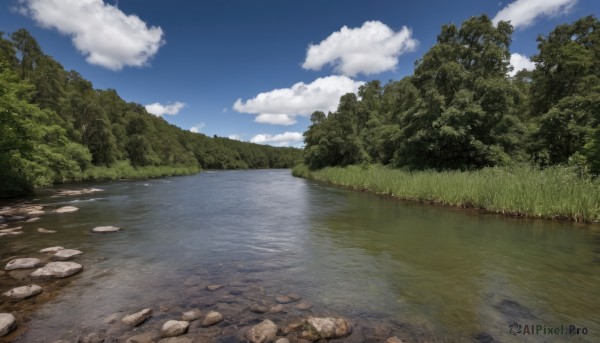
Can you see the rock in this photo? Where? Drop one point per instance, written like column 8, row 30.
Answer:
column 213, row 288
column 7, row 323
column 10, row 233
column 31, row 220
column 325, row 328
column 106, row 229
column 23, row 263
column 146, row 337
column 79, row 191
column 112, row 318
column 137, row 318
column 191, row 315
column 179, row 340
column 35, row 212
column 291, row 327
column 57, row 270
column 212, row 318
column 93, row 338
column 174, row 328
column 163, row 308
column 12, row 229
column 66, row 254
column 256, row 308
column 52, row 249
column 284, row 299
column 294, row 296
column 23, row 292
column 276, row 309
column 66, row 209
column 282, row 340
column 394, row 340
column 304, row 306
column 41, row 230
column 264, row 332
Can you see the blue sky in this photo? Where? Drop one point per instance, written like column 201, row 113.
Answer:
column 195, row 59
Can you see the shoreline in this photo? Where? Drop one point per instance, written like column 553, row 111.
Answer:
column 402, row 185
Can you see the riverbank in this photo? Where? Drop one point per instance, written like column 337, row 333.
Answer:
column 553, row 193
column 124, row 170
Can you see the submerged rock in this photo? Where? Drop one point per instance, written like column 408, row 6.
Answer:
column 276, row 309
column 79, row 191
column 191, row 315
column 394, row 340
column 146, row 337
column 42, row 230
column 66, row 209
column 7, row 323
column 106, row 229
column 304, row 306
column 52, row 249
column 284, row 299
column 282, row 340
column 174, row 328
column 94, row 337
column 260, row 309
column 23, row 292
column 212, row 318
column 66, row 254
column 213, row 288
column 57, row 270
column 265, row 332
column 137, row 318
column 325, row 328
column 23, row 263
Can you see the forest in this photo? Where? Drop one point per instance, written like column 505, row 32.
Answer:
column 56, row 128
column 461, row 110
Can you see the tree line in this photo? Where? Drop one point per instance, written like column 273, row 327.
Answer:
column 460, row 110
column 54, row 126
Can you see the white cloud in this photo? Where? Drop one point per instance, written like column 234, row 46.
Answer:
column 103, row 33
column 281, row 139
column 281, row 106
column 196, row 128
column 369, row 49
column 236, row 136
column 520, row 62
column 159, row 109
column 522, row 13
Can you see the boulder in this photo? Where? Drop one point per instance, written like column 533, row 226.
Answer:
column 212, row 318
column 52, row 249
column 137, row 318
column 57, row 270
column 264, row 332
column 66, row 209
column 325, row 328
column 23, row 292
column 106, row 229
column 191, row 315
column 23, row 263
column 42, row 230
column 7, row 323
column 174, row 328
column 66, row 254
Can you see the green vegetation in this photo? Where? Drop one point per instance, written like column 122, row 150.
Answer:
column 55, row 127
column 554, row 192
column 465, row 133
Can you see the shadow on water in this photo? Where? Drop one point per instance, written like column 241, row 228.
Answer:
column 422, row 273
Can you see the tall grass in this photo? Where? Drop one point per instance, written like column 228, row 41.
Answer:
column 552, row 193
column 124, row 170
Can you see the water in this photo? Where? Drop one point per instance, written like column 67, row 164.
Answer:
column 420, row 272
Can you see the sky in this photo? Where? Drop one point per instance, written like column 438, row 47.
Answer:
column 256, row 70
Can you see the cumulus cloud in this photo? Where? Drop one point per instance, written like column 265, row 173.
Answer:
column 236, row 136
column 281, row 139
column 369, row 49
column 159, row 109
column 196, row 128
column 282, row 106
column 522, row 13
column 102, row 32
column 520, row 62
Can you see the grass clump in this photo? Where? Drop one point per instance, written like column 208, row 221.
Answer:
column 551, row 193
column 124, row 170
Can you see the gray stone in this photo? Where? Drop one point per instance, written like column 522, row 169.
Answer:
column 57, row 270
column 106, row 229
column 12, row 229
column 212, row 318
column 11, row 233
column 66, row 254
column 66, row 209
column 325, row 328
column 52, row 249
column 282, row 340
column 174, row 328
column 191, row 315
column 7, row 323
column 294, row 296
column 137, row 318
column 23, row 263
column 264, row 332
column 23, row 292
column 42, row 230
column 179, row 340
column 213, row 288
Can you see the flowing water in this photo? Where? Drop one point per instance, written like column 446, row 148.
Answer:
column 423, row 273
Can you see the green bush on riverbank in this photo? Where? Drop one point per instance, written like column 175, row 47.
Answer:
column 555, row 192
column 124, row 170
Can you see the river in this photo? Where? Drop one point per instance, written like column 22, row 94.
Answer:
column 422, row 273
